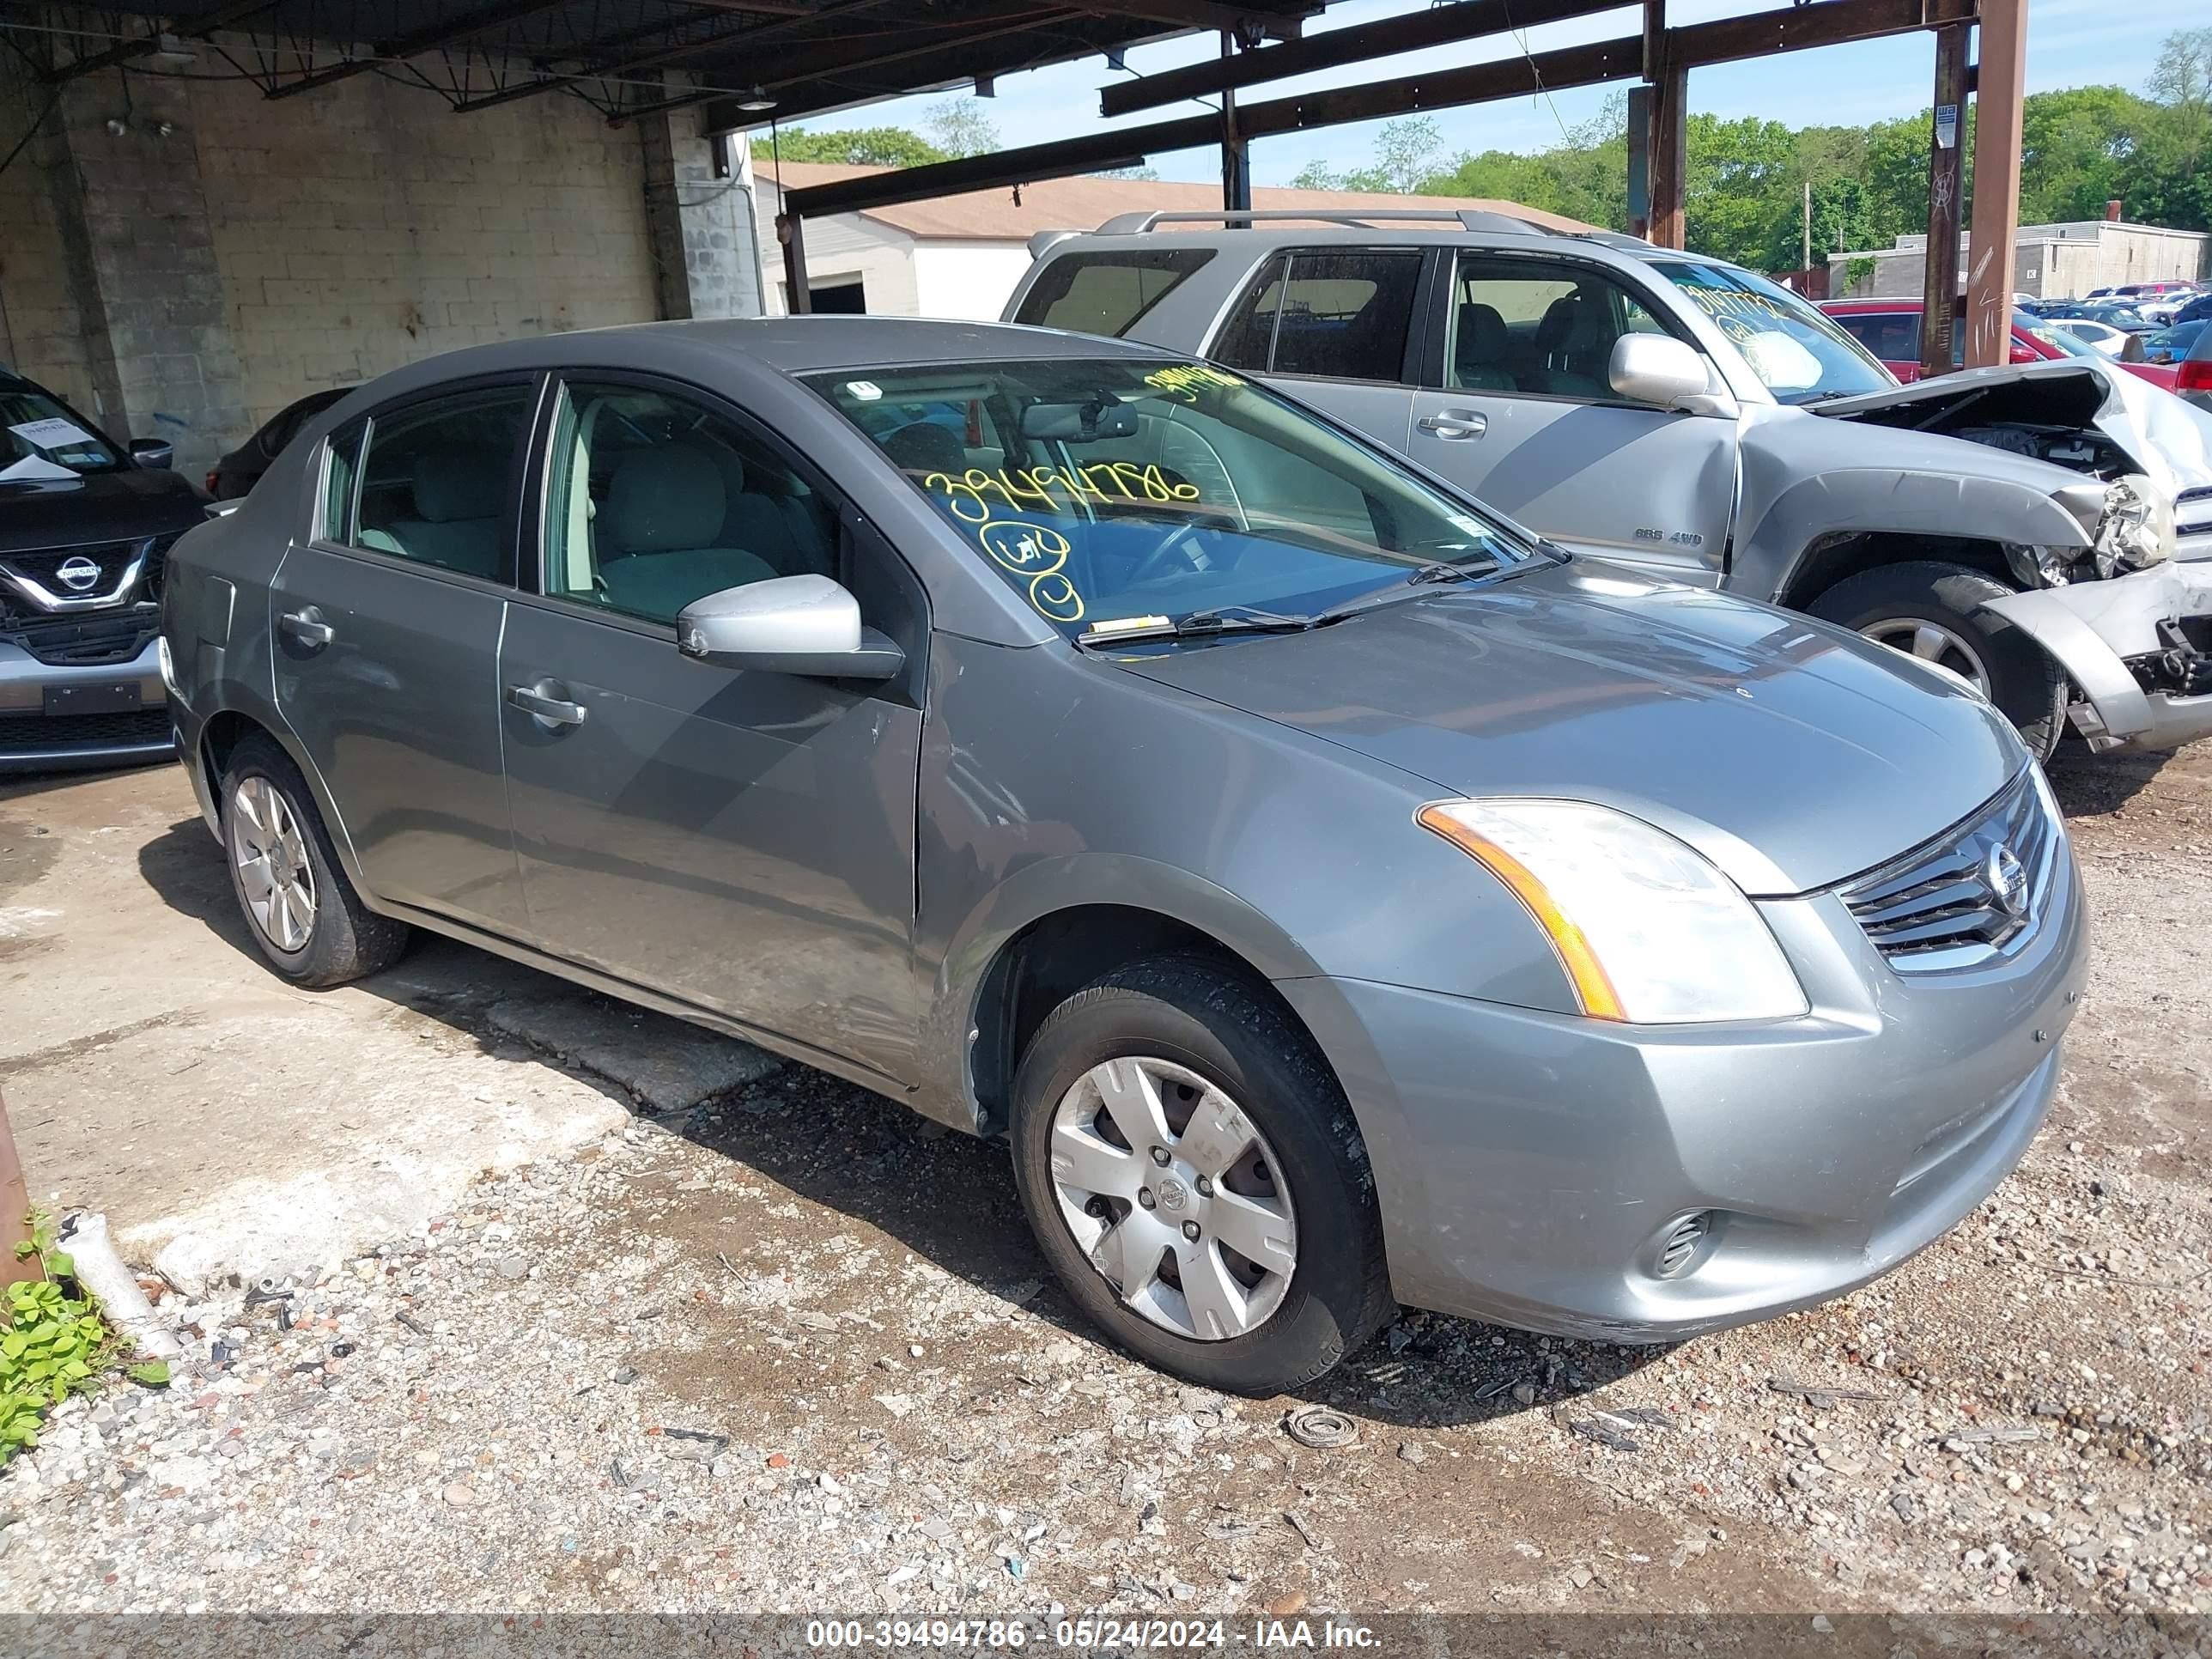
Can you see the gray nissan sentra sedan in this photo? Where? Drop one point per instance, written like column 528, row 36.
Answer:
column 1335, row 896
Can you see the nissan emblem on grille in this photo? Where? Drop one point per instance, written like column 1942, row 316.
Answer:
column 2007, row 878
column 77, row 574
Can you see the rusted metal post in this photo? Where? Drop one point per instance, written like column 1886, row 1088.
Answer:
column 1946, row 172
column 1998, row 88
column 1236, row 149
column 1667, row 165
column 14, row 1209
column 798, row 298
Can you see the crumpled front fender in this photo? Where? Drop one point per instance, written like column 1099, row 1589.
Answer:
column 2092, row 628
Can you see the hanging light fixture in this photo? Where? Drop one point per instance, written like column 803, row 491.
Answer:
column 756, row 100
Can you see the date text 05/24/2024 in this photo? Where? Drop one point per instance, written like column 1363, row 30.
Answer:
column 1089, row 1635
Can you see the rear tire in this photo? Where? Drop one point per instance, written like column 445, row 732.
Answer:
column 1236, row 1071
column 299, row 907
column 1929, row 609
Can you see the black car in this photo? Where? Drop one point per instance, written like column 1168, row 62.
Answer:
column 86, row 525
column 237, row 473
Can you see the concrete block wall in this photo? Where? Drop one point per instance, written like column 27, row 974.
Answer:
column 41, row 326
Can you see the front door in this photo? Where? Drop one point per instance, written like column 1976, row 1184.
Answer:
column 1521, row 415
column 740, row 840
column 386, row 626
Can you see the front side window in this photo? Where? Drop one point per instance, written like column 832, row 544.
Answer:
column 1110, row 492
column 437, row 482
column 1106, row 292
column 1538, row 327
column 42, row 437
column 1891, row 336
column 1796, row 350
column 1336, row 313
column 653, row 501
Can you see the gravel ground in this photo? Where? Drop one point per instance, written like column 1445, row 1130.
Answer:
column 792, row 1351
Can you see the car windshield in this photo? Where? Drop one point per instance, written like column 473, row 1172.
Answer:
column 40, row 439
column 1129, row 493
column 2063, row 341
column 1797, row 352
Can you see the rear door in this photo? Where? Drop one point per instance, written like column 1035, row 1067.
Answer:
column 1517, row 409
column 386, row 626
column 741, row 840
column 1339, row 327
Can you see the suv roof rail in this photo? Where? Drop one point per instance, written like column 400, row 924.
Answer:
column 1044, row 241
column 1135, row 224
column 1615, row 239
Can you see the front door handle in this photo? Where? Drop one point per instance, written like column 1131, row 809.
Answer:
column 1451, row 424
column 306, row 627
column 543, row 703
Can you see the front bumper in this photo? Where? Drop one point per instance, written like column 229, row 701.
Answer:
column 1531, row 1165
column 2096, row 630
column 34, row 740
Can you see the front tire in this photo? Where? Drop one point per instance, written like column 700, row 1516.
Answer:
column 1193, row 1175
column 299, row 909
column 1930, row 611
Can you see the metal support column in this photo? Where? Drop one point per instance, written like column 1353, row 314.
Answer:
column 1946, row 170
column 1236, row 149
column 1667, row 163
column 790, row 230
column 1998, row 88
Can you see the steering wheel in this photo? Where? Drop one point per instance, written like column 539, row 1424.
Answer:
column 1177, row 541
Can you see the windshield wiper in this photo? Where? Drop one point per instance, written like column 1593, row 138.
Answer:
column 1440, row 571
column 1198, row 625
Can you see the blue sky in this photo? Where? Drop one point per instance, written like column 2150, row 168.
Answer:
column 2069, row 43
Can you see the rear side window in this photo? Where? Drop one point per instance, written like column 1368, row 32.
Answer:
column 437, row 483
column 1106, row 292
column 1339, row 314
column 1891, row 336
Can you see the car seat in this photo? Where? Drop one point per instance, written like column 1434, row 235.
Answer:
column 1481, row 350
column 1574, row 342
column 656, row 533
column 458, row 493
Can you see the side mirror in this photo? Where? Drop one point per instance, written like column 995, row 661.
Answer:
column 153, row 452
column 807, row 625
column 1658, row 368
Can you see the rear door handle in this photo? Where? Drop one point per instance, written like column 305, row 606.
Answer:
column 1455, row 423
column 543, row 702
column 307, row 627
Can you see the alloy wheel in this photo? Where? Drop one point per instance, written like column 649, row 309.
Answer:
column 1932, row 643
column 274, row 871
column 1175, row 1197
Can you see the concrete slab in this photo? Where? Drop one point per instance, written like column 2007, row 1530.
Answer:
column 668, row 1065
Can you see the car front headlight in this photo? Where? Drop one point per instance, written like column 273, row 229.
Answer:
column 2136, row 530
column 1646, row 929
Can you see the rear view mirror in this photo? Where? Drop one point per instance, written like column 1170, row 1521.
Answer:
column 807, row 625
column 153, row 452
column 1079, row 424
column 1656, row 369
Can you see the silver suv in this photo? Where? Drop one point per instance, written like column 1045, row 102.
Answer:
column 1691, row 417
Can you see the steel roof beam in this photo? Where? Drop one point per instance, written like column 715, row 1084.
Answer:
column 145, row 46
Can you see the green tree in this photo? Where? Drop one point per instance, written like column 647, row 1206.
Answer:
column 959, row 127
column 880, row 147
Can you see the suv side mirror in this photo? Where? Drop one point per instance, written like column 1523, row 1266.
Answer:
column 153, row 452
column 1658, row 368
column 807, row 625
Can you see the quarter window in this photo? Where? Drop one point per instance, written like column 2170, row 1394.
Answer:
column 437, row 483
column 653, row 501
column 1106, row 292
column 1336, row 314
column 1538, row 328
column 335, row 514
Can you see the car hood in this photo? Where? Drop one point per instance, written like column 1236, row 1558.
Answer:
column 2165, row 437
column 125, row 505
column 1790, row 753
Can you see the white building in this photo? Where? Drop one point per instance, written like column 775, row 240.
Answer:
column 2049, row 261
column 961, row 255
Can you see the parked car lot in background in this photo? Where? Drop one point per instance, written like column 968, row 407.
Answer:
column 86, row 523
column 2171, row 344
column 2194, row 380
column 1248, row 1110
column 1890, row 329
column 239, row 470
column 1699, row 421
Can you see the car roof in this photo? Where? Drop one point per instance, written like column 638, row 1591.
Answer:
column 1293, row 228
column 796, row 345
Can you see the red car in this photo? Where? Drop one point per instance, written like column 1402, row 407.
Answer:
column 1891, row 330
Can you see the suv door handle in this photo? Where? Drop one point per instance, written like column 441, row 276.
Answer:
column 543, row 703
column 307, row 627
column 1454, row 423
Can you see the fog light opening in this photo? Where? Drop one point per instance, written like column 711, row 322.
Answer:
column 1682, row 1244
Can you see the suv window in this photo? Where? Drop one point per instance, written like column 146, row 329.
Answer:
column 1538, row 327
column 1106, row 292
column 655, row 500
column 437, row 483
column 1339, row 314
column 1891, row 336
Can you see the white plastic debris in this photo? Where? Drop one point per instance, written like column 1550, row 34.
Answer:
column 101, row 1270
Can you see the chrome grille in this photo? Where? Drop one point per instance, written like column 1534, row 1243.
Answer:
column 1974, row 893
column 1681, row 1243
